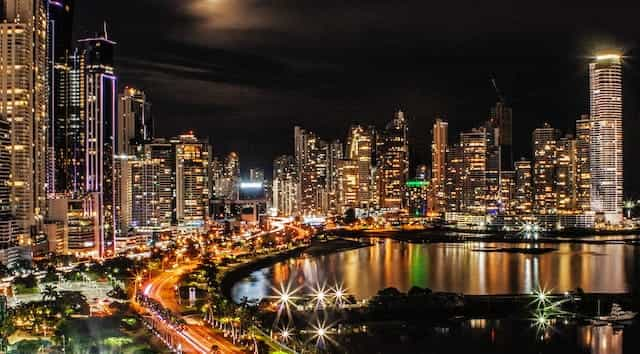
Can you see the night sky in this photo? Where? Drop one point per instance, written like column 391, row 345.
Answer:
column 244, row 72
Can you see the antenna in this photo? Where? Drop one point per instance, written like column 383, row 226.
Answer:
column 106, row 35
column 495, row 86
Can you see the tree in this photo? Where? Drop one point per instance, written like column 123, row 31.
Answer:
column 49, row 293
column 350, row 216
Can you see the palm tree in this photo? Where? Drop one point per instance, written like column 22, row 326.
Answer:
column 50, row 293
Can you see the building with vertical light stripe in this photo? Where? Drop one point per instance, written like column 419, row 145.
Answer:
column 101, row 121
column 438, row 165
column 606, row 147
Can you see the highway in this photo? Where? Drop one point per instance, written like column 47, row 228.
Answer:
column 196, row 337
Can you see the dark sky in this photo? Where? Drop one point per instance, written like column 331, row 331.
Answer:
column 244, row 72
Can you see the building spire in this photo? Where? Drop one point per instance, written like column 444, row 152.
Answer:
column 106, row 35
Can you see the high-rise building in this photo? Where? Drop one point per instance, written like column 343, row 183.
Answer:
column 348, row 185
column 59, row 47
column 606, row 148
column 523, row 203
column 231, row 176
column 9, row 229
column 24, row 104
column 507, row 192
column 545, row 144
column 439, row 165
column 256, row 175
column 416, row 197
column 359, row 149
column 153, row 186
column 336, row 153
column 311, row 155
column 454, row 178
column 583, row 173
column 285, row 185
column 193, row 157
column 566, row 176
column 474, row 186
column 502, row 119
column 101, row 139
column 393, row 159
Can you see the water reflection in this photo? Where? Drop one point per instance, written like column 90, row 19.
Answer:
column 458, row 268
column 601, row 339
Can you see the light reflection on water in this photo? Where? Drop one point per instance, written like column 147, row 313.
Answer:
column 611, row 268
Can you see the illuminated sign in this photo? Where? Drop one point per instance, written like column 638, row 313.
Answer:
column 417, row 184
column 251, row 185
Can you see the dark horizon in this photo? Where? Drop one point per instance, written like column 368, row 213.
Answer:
column 245, row 72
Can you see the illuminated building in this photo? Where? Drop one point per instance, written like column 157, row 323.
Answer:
column 474, row 183
column 507, row 192
column 59, row 158
column 493, row 172
column 359, row 149
column 24, row 104
column 523, row 195
column 566, row 174
column 348, row 185
column 9, row 228
column 454, row 178
column 230, row 181
column 423, row 172
column 256, row 175
column 606, row 149
column 193, row 157
column 335, row 154
column 101, row 140
column 393, row 158
column 153, row 186
column 311, row 158
column 583, row 174
column 545, row 142
column 285, row 185
column 439, row 165
column 82, row 237
column 416, row 196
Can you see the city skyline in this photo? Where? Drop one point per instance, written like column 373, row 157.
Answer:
column 518, row 60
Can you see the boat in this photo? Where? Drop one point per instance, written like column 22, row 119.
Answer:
column 618, row 315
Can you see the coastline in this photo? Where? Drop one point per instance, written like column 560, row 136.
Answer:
column 235, row 273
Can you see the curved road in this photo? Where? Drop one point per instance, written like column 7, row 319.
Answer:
column 196, row 337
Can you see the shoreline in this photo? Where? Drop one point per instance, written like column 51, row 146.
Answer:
column 236, row 273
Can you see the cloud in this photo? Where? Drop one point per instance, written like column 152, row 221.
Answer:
column 231, row 14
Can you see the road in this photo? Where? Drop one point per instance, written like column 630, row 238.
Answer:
column 196, row 337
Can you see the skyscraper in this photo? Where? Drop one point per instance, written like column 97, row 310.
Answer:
column 438, row 164
column 359, row 149
column 24, row 103
column 59, row 75
column 474, row 186
column 523, row 195
column 193, row 157
column 311, row 155
column 545, row 142
column 502, row 119
column 101, row 140
column 285, row 185
column 393, row 161
column 566, row 174
column 606, row 148
column 583, row 173
column 454, row 178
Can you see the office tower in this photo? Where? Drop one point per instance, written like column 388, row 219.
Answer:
column 502, row 119
column 217, row 178
column 348, row 177
column 606, row 149
column 134, row 110
column 24, row 104
column 101, row 140
column 83, row 238
column 59, row 47
column 493, row 174
column 583, row 174
column 507, row 203
column 359, row 149
column 438, row 165
column 566, row 174
column 474, row 186
column 545, row 142
column 524, row 192
column 454, row 178
column 311, row 160
column 153, row 186
column 393, row 162
column 193, row 157
column 285, row 185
